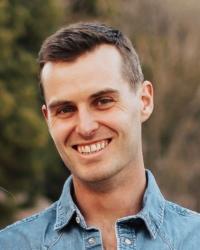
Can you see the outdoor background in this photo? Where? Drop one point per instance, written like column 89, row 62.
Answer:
column 167, row 38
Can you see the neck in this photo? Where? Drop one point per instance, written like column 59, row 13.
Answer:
column 109, row 200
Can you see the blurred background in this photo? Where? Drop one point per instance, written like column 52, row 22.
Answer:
column 167, row 38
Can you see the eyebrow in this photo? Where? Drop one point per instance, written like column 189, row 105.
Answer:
column 57, row 103
column 104, row 92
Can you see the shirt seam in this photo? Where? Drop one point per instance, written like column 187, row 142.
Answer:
column 29, row 219
column 173, row 207
column 166, row 240
column 55, row 241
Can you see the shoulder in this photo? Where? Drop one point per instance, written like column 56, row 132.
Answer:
column 182, row 225
column 179, row 214
column 29, row 232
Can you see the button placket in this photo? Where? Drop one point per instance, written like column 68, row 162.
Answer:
column 126, row 237
column 78, row 219
column 127, row 241
column 91, row 241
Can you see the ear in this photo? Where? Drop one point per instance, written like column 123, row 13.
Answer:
column 147, row 104
column 45, row 112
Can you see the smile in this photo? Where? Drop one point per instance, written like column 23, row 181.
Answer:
column 93, row 147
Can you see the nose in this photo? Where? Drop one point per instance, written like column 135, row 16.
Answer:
column 86, row 124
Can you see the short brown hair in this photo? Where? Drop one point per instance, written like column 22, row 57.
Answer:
column 70, row 42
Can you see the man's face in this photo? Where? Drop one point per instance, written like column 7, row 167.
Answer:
column 94, row 116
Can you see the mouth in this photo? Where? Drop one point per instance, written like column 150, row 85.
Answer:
column 91, row 148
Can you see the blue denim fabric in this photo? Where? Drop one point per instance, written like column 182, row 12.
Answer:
column 160, row 225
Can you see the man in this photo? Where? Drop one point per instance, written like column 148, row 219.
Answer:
column 95, row 101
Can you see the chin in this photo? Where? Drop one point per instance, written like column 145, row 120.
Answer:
column 96, row 177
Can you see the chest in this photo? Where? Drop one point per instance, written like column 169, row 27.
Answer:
column 122, row 238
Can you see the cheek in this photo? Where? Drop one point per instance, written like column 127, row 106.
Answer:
column 126, row 120
column 59, row 131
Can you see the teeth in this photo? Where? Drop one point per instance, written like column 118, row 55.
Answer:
column 92, row 148
column 87, row 149
column 98, row 146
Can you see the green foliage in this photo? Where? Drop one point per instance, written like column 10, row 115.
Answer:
column 7, row 210
column 84, row 6
column 23, row 26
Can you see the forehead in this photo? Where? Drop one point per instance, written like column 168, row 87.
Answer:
column 91, row 72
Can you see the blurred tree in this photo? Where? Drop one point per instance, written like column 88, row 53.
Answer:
column 84, row 6
column 23, row 25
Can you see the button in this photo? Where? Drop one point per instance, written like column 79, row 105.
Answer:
column 91, row 241
column 78, row 219
column 127, row 241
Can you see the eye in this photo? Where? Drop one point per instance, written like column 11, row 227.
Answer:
column 65, row 110
column 104, row 102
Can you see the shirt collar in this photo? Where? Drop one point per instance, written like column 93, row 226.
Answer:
column 152, row 212
column 65, row 206
column 153, row 206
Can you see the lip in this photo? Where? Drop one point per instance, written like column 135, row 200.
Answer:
column 94, row 154
column 90, row 142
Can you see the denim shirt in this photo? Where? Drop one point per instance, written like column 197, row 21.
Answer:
column 160, row 225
